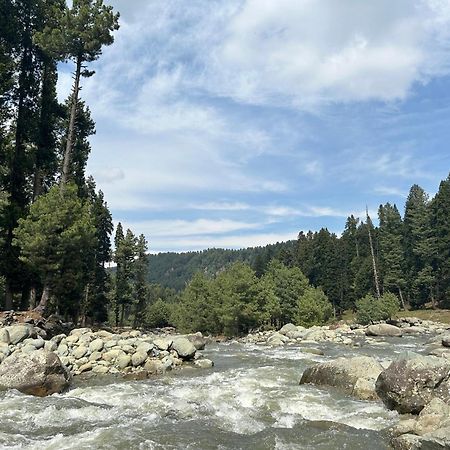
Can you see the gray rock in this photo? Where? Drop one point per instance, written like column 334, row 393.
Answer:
column 4, row 336
column 435, row 415
column 162, row 343
column 50, row 346
column 63, row 350
column 96, row 345
column 312, row 351
column 95, row 356
column 101, row 370
column 383, row 329
column 40, row 373
column 18, row 333
column 144, row 347
column 138, row 358
column 123, row 361
column 80, row 352
column 446, row 340
column 344, row 373
column 412, row 381
column 85, row 367
column 198, row 340
column 287, row 328
column 204, row 363
column 154, row 366
column 184, row 348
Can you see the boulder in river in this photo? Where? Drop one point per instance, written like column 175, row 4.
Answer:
column 198, row 340
column 411, row 382
column 383, row 329
column 40, row 373
column 346, row 374
column 184, row 347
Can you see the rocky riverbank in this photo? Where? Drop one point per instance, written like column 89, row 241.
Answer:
column 417, row 386
column 33, row 364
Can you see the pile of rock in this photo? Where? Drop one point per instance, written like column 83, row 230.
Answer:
column 342, row 333
column 131, row 353
column 416, row 384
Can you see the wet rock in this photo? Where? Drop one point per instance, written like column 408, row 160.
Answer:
column 383, row 329
column 40, row 373
column 204, row 363
column 136, row 376
column 312, row 351
column 344, row 373
column 446, row 340
column 154, row 366
column 198, row 340
column 411, row 382
column 184, row 348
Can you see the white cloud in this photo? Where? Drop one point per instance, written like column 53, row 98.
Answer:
column 230, row 241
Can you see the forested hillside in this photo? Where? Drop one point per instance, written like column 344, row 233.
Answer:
column 175, row 270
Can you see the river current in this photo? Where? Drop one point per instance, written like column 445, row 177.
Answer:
column 251, row 399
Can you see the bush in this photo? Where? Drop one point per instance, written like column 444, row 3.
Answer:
column 314, row 308
column 369, row 309
column 158, row 314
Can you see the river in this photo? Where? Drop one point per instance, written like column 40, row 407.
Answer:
column 251, row 399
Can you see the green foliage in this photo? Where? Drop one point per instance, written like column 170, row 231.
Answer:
column 288, row 285
column 158, row 314
column 53, row 239
column 313, row 308
column 196, row 311
column 369, row 309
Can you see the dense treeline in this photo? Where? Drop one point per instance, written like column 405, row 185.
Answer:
column 54, row 226
column 411, row 254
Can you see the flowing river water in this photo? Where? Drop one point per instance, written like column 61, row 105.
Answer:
column 251, row 399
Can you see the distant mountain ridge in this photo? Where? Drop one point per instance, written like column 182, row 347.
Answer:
column 174, row 270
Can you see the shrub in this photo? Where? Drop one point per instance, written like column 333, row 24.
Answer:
column 314, row 308
column 158, row 314
column 369, row 309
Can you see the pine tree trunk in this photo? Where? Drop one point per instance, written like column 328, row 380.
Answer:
column 8, row 297
column 374, row 263
column 71, row 131
column 44, row 299
column 402, row 300
column 32, row 301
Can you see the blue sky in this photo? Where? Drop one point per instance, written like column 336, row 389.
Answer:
column 236, row 123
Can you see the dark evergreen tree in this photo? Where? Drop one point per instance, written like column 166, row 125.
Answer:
column 419, row 247
column 440, row 215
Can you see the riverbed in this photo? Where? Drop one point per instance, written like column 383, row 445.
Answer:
column 251, row 399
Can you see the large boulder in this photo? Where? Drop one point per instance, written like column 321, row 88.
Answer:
column 412, row 381
column 40, row 373
column 198, row 340
column 289, row 327
column 18, row 333
column 354, row 376
column 383, row 329
column 184, row 347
